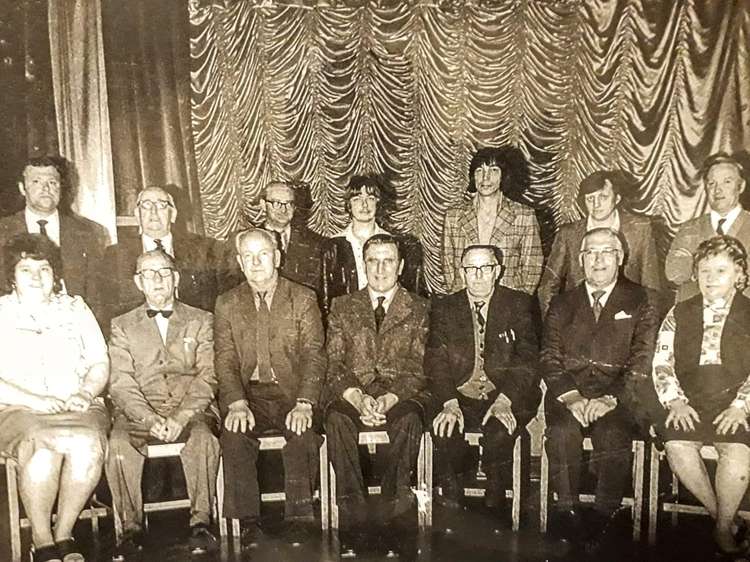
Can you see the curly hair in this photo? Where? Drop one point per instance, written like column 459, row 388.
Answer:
column 32, row 246
column 512, row 163
column 729, row 246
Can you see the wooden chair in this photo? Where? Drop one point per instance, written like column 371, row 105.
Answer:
column 635, row 502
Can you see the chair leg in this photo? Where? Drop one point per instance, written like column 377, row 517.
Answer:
column 653, row 494
column 428, row 468
column 14, row 511
column 324, row 494
column 424, row 482
column 543, row 488
column 675, row 497
column 332, row 493
column 638, row 470
column 220, row 499
column 516, row 509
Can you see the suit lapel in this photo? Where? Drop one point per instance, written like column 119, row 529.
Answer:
column 741, row 226
column 506, row 216
column 364, row 311
column 176, row 323
column 469, row 225
column 462, row 320
column 146, row 328
column 247, row 307
column 618, row 300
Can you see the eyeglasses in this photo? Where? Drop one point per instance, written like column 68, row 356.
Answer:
column 278, row 205
column 602, row 253
column 475, row 269
column 152, row 274
column 160, row 204
column 365, row 199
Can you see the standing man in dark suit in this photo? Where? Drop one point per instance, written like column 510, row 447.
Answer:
column 270, row 362
column 203, row 262
column 376, row 339
column 81, row 241
column 596, row 338
column 481, row 359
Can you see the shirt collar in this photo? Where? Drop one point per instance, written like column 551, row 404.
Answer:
column 269, row 293
column 607, row 292
column 348, row 233
column 286, row 232
column 150, row 244
column 730, row 218
column 486, row 300
column 613, row 222
column 52, row 227
column 388, row 296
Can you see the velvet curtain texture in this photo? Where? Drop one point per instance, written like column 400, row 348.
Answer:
column 323, row 90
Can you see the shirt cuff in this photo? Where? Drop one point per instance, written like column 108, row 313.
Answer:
column 452, row 403
column 740, row 403
column 564, row 395
column 503, row 400
column 671, row 394
column 351, row 392
column 237, row 403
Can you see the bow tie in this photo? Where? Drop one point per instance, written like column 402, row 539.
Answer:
column 150, row 312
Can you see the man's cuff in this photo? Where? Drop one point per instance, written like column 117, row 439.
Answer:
column 352, row 393
column 237, row 403
column 740, row 403
column 452, row 403
column 565, row 395
column 503, row 400
column 611, row 398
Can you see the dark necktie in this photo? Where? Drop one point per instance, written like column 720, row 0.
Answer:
column 478, row 311
column 379, row 313
column 150, row 312
column 720, row 227
column 261, row 331
column 42, row 227
column 597, row 296
column 159, row 245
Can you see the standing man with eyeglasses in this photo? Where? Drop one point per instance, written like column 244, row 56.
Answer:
column 44, row 186
column 203, row 262
column 598, row 343
column 481, row 360
column 162, row 385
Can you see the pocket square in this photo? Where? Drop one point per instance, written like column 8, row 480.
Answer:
column 508, row 335
column 622, row 315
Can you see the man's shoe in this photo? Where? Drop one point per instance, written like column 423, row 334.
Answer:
column 201, row 539
column 130, row 548
column 566, row 524
column 47, row 553
column 300, row 531
column 251, row 535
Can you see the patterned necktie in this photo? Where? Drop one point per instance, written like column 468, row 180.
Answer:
column 597, row 295
column 720, row 227
column 151, row 312
column 261, row 331
column 379, row 313
column 42, row 227
column 478, row 311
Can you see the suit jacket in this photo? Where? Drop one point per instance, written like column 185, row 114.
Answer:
column 203, row 264
column 597, row 358
column 296, row 342
column 511, row 346
column 679, row 264
column 149, row 376
column 516, row 233
column 301, row 261
column 82, row 243
column 563, row 271
column 359, row 355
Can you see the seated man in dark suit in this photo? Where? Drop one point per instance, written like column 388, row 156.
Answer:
column 270, row 362
column 162, row 386
column 376, row 382
column 46, row 190
column 481, row 358
column 596, row 337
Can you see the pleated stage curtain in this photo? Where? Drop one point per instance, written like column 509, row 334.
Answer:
column 318, row 91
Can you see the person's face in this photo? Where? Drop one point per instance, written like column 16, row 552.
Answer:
column 364, row 205
column 382, row 266
column 279, row 205
column 602, row 203
column 480, row 272
column 487, row 179
column 155, row 213
column 34, row 279
column 717, row 277
column 600, row 257
column 258, row 259
column 157, row 280
column 41, row 188
column 723, row 187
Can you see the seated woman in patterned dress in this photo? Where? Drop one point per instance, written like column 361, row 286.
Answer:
column 53, row 368
column 701, row 373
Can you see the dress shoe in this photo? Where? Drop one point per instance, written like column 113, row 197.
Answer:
column 47, row 553
column 300, row 530
column 201, row 539
column 129, row 548
column 566, row 524
column 251, row 535
column 69, row 551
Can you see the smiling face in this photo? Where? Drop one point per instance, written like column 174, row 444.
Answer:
column 279, row 206
column 41, row 188
column 258, row 259
column 723, row 187
column 717, row 276
column 364, row 205
column 602, row 203
column 487, row 178
column 155, row 212
column 34, row 280
column 382, row 266
column 601, row 256
column 157, row 280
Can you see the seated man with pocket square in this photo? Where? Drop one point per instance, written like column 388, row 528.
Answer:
column 162, row 387
column 481, row 360
column 597, row 337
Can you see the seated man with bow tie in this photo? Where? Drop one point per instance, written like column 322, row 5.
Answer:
column 481, row 359
column 376, row 339
column 598, row 340
column 162, row 386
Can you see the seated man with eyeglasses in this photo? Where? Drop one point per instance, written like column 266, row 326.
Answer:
column 204, row 263
column 598, row 343
column 481, row 360
column 162, row 385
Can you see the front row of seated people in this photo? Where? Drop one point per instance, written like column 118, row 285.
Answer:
column 388, row 364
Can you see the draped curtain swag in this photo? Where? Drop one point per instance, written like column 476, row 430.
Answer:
column 322, row 90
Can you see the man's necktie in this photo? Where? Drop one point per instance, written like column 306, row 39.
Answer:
column 478, row 311
column 262, row 338
column 151, row 312
column 379, row 313
column 720, row 227
column 597, row 295
column 42, row 227
column 159, row 245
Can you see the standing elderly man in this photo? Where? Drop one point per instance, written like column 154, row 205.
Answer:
column 376, row 339
column 597, row 338
column 81, row 241
column 481, row 358
column 162, row 387
column 202, row 261
column 724, row 181
column 270, row 362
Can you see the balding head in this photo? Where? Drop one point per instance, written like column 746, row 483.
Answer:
column 259, row 257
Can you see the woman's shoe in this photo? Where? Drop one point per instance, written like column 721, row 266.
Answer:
column 69, row 551
column 47, row 553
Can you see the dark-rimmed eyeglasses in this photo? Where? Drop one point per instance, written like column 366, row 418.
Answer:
column 278, row 205
column 152, row 274
column 600, row 253
column 160, row 204
column 475, row 269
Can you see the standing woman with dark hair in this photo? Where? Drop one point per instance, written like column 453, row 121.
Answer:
column 490, row 217
column 701, row 374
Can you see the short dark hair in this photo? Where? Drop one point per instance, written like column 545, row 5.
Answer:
column 720, row 158
column 623, row 184
column 55, row 162
column 374, row 185
column 497, row 252
column 723, row 244
column 156, row 252
column 32, row 246
column 64, row 169
column 379, row 240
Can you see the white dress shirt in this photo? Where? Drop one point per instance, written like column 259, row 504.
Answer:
column 728, row 220
column 149, row 243
column 52, row 227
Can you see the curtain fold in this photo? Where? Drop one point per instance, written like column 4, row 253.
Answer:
column 80, row 91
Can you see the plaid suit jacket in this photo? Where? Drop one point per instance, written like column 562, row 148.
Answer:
column 516, row 233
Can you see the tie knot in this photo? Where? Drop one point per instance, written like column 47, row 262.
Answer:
column 381, row 301
column 42, row 223
column 478, row 305
column 158, row 242
column 720, row 227
column 597, row 295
